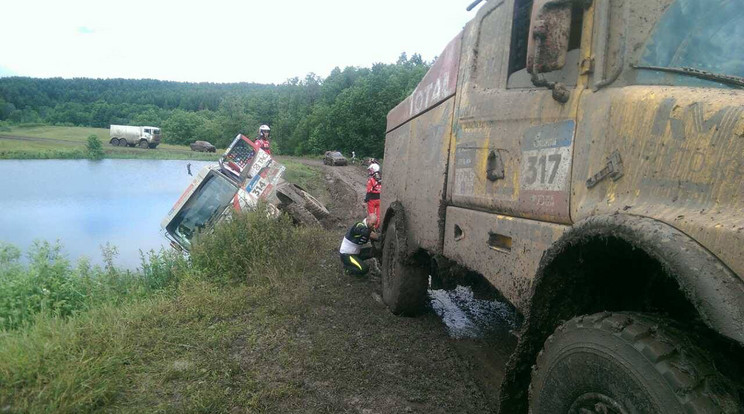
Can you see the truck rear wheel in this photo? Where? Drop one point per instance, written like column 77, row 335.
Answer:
column 314, row 206
column 114, row 141
column 403, row 284
column 123, row 142
column 625, row 363
column 143, row 144
column 300, row 215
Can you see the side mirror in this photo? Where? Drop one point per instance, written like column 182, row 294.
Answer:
column 547, row 44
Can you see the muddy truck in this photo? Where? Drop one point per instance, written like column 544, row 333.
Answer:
column 585, row 158
column 244, row 177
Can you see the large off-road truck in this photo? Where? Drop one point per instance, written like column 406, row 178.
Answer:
column 586, row 158
column 130, row 136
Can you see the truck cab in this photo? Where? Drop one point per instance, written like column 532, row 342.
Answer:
column 244, row 177
column 586, row 159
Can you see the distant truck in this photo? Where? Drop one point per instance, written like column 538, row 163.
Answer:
column 244, row 176
column 141, row 136
column 586, row 159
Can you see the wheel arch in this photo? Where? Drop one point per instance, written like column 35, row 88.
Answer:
column 396, row 214
column 689, row 281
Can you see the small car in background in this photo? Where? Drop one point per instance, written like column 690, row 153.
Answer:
column 202, row 146
column 334, row 158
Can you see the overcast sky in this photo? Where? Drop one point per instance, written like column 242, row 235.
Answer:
column 263, row 41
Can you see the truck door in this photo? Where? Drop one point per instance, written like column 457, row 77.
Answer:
column 513, row 140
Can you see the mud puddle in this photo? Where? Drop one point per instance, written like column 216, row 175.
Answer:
column 466, row 317
column 482, row 332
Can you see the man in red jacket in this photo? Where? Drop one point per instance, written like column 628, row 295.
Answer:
column 263, row 138
column 374, row 185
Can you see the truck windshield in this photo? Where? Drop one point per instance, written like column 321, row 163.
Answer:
column 695, row 34
column 211, row 198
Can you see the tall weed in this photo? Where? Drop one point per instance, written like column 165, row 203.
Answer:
column 255, row 248
column 48, row 284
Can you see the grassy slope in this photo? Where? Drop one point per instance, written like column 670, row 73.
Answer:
column 293, row 335
column 69, row 142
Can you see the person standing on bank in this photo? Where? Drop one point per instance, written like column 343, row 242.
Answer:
column 352, row 253
column 263, row 138
column 374, row 186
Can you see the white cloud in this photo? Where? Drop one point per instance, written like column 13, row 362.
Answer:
column 221, row 40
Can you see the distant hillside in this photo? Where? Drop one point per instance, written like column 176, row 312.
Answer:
column 33, row 93
column 345, row 111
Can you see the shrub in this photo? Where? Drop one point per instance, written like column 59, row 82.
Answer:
column 94, row 148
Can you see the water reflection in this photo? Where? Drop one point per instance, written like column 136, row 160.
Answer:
column 85, row 204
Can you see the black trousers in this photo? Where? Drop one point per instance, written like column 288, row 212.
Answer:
column 354, row 263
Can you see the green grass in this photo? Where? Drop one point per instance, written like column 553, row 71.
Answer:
column 309, row 178
column 263, row 321
column 69, row 142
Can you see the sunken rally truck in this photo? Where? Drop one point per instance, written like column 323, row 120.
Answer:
column 245, row 175
column 586, row 159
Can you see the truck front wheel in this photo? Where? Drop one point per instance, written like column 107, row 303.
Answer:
column 404, row 283
column 143, row 144
column 625, row 363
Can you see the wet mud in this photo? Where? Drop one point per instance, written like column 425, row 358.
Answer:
column 481, row 331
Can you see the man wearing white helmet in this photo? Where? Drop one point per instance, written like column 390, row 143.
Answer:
column 263, row 138
column 374, row 186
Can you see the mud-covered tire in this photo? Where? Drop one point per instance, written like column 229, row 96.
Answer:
column 123, row 142
column 143, row 144
column 114, row 142
column 626, row 363
column 300, row 215
column 314, row 206
column 403, row 284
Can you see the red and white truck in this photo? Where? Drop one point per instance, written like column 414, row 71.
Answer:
column 244, row 176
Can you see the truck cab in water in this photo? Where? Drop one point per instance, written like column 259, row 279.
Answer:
column 586, row 158
column 245, row 176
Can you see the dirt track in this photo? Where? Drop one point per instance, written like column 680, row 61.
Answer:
column 346, row 186
column 37, row 139
column 483, row 358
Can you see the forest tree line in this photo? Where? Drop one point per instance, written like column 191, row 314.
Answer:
column 345, row 111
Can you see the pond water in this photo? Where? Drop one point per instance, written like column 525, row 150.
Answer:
column 85, row 204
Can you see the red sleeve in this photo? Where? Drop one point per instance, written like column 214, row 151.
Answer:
column 370, row 184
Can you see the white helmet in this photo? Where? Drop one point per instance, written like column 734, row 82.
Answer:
column 373, row 168
column 263, row 130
